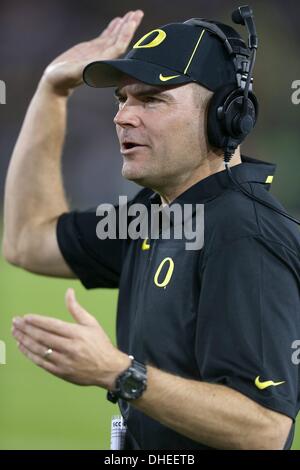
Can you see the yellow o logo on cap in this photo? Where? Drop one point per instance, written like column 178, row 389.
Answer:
column 161, row 36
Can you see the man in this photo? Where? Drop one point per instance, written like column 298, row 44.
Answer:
column 210, row 330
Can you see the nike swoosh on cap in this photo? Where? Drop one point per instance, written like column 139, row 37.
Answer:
column 266, row 384
column 165, row 79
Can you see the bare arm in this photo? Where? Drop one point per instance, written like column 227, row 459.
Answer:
column 214, row 415
column 34, row 193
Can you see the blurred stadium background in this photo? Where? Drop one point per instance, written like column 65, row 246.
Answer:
column 37, row 411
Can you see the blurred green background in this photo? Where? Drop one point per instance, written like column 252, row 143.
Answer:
column 38, row 411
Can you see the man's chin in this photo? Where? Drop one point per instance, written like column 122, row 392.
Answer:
column 136, row 175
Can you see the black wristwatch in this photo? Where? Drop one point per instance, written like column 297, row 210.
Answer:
column 131, row 384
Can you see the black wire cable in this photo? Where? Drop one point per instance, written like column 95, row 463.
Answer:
column 255, row 198
column 249, row 78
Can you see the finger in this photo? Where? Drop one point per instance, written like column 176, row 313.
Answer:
column 110, row 28
column 41, row 336
column 39, row 361
column 79, row 314
column 127, row 15
column 123, row 19
column 127, row 29
column 126, row 18
column 114, row 26
column 34, row 347
column 112, row 37
column 51, row 325
column 133, row 18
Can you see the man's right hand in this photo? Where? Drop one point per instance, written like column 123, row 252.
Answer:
column 65, row 72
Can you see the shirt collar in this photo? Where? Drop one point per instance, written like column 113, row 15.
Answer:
column 249, row 171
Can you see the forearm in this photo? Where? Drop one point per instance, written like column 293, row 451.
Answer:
column 34, row 190
column 214, row 415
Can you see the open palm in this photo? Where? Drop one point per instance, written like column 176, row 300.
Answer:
column 65, row 72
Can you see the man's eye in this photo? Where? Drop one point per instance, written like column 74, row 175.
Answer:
column 150, row 99
column 146, row 99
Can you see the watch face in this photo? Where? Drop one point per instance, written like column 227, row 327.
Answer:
column 131, row 385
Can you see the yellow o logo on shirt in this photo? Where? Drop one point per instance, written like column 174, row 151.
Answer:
column 161, row 36
column 168, row 275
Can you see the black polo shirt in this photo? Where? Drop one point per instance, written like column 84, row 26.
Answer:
column 225, row 314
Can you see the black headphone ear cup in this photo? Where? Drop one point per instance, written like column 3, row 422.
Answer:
column 219, row 130
column 215, row 130
column 254, row 101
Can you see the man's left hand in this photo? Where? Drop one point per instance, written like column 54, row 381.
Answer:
column 80, row 352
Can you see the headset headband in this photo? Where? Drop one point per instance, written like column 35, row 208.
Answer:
column 241, row 54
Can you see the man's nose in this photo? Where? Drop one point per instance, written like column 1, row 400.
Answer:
column 127, row 116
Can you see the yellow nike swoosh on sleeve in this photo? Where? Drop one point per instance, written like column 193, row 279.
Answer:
column 165, row 79
column 267, row 383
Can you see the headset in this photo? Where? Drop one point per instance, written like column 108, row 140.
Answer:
column 233, row 109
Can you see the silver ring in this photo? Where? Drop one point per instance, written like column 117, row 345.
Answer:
column 47, row 353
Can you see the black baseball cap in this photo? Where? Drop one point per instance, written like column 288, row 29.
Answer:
column 175, row 53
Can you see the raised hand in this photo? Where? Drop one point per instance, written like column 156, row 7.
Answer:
column 65, row 72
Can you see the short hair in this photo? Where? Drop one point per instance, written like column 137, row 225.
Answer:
column 202, row 95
